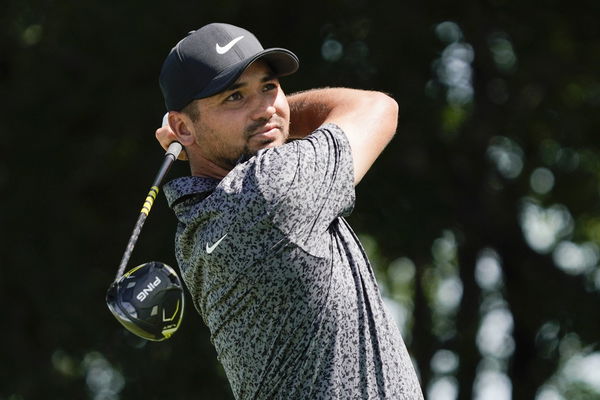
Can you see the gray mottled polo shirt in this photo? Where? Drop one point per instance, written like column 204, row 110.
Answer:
column 283, row 283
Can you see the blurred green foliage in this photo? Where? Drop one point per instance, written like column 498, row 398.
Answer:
column 481, row 217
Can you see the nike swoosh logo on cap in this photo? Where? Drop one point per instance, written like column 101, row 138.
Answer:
column 210, row 249
column 228, row 46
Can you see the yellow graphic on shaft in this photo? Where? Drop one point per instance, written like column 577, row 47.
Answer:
column 150, row 200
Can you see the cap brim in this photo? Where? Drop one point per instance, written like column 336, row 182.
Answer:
column 283, row 62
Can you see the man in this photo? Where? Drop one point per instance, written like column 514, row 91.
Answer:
column 273, row 268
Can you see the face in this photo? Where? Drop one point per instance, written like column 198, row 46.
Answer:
column 252, row 114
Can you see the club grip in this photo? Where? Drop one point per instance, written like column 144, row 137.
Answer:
column 174, row 149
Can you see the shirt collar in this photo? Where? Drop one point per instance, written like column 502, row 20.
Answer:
column 188, row 185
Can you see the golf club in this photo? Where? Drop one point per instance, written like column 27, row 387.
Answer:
column 148, row 300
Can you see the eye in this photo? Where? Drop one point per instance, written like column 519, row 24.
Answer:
column 234, row 96
column 269, row 86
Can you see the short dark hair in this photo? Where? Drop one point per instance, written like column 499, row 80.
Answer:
column 192, row 111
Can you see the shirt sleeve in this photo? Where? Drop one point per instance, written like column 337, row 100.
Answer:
column 307, row 183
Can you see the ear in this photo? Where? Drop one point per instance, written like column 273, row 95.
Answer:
column 182, row 127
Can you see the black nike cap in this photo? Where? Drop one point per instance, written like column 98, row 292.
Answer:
column 208, row 60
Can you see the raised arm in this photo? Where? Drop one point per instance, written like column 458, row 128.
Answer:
column 368, row 118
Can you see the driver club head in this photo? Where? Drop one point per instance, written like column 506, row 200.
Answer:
column 148, row 300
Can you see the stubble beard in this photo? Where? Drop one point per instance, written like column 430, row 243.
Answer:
column 252, row 129
column 229, row 162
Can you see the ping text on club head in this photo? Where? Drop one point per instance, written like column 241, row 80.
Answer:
column 144, row 293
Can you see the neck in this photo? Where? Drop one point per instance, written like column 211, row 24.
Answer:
column 201, row 166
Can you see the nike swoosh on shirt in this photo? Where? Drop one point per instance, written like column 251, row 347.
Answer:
column 210, row 249
column 228, row 46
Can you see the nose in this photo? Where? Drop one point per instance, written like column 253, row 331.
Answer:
column 264, row 108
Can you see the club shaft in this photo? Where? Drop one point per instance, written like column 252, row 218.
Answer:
column 170, row 156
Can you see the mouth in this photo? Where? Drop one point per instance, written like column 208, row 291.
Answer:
column 266, row 133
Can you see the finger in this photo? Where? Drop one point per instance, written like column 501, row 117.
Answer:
column 166, row 136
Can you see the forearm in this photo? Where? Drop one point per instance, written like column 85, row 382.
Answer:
column 308, row 111
column 312, row 108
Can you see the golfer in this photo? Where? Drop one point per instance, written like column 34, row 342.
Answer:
column 273, row 268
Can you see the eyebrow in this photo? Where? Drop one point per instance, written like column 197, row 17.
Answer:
column 239, row 85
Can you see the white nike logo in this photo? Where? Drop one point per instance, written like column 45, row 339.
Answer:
column 210, row 249
column 228, row 46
